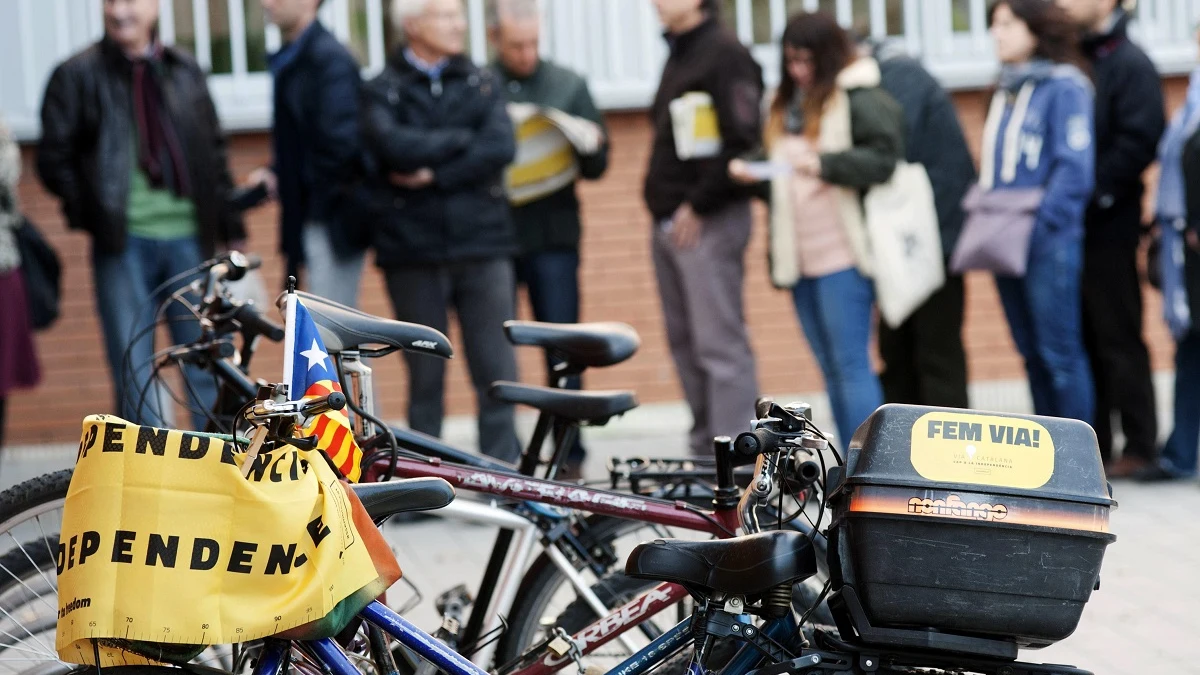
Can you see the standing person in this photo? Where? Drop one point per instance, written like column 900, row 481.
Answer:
column 316, row 149
column 132, row 147
column 702, row 219
column 548, row 228
column 839, row 133
column 1177, row 213
column 924, row 359
column 1038, row 135
column 438, row 128
column 1129, row 124
column 18, row 356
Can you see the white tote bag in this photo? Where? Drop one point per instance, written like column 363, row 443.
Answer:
column 906, row 246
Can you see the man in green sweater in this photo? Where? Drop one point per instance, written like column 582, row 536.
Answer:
column 548, row 227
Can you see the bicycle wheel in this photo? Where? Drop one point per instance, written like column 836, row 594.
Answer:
column 546, row 593
column 30, row 524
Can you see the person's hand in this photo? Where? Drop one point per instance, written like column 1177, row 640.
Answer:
column 808, row 164
column 739, row 172
column 1192, row 239
column 412, row 181
column 265, row 175
column 685, row 228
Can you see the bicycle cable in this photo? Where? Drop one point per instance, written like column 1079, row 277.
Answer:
column 152, row 296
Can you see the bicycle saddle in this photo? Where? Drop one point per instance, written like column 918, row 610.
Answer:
column 581, row 406
column 589, row 345
column 346, row 329
column 748, row 566
column 400, row 496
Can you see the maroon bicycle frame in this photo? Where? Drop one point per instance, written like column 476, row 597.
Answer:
column 604, row 502
column 721, row 524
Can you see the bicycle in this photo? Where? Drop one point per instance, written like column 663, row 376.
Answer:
column 579, row 545
column 388, row 498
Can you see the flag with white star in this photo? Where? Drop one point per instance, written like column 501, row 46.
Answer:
column 313, row 374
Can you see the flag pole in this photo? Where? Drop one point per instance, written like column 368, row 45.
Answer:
column 289, row 335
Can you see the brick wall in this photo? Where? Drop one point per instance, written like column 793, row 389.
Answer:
column 617, row 285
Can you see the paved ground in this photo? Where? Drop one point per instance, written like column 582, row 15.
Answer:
column 1142, row 620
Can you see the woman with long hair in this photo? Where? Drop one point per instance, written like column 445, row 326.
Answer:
column 1037, row 167
column 836, row 133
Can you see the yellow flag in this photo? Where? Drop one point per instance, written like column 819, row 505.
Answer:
column 164, row 542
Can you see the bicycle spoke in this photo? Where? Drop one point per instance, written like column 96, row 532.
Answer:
column 15, row 647
column 34, row 593
column 45, row 538
column 35, row 639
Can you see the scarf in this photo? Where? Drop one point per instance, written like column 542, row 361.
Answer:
column 1015, row 75
column 160, row 155
column 1171, row 210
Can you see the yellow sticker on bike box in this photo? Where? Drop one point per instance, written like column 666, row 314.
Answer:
column 164, row 541
column 982, row 450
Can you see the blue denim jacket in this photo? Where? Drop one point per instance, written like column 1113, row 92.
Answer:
column 1053, row 149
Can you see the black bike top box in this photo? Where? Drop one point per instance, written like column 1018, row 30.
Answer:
column 968, row 531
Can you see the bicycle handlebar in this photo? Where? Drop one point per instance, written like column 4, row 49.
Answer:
column 232, row 266
column 268, row 410
column 253, row 321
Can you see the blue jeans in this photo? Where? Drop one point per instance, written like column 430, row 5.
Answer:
column 1180, row 454
column 835, row 313
column 552, row 281
column 123, row 284
column 1044, row 311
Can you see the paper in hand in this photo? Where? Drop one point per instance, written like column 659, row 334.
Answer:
column 768, row 170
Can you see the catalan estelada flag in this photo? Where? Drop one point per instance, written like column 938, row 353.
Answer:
column 310, row 372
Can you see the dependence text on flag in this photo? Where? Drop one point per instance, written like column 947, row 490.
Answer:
column 309, row 372
column 166, row 547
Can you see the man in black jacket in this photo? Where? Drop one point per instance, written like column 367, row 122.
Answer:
column 441, row 136
column 548, row 225
column 924, row 359
column 1129, row 123
column 316, row 147
column 702, row 219
column 132, row 147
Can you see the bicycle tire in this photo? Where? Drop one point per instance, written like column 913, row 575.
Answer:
column 543, row 577
column 36, row 491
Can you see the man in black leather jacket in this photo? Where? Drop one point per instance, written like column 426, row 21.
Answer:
column 440, row 133
column 132, row 146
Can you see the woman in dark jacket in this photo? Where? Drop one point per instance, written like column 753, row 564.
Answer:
column 838, row 133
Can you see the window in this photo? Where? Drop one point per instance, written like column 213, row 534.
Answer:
column 185, row 26
column 961, row 15
column 218, row 31
column 256, row 36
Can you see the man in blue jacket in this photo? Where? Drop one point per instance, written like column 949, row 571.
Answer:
column 316, row 149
